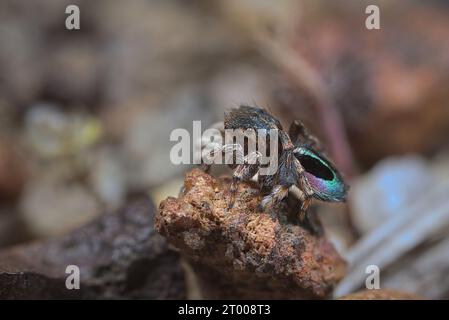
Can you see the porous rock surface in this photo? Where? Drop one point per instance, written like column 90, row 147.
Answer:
column 242, row 252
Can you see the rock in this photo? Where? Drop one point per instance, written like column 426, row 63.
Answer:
column 381, row 294
column 169, row 188
column 107, row 176
column 119, row 255
column 52, row 203
column 243, row 253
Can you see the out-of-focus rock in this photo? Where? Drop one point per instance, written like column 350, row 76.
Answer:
column 390, row 185
column 13, row 172
column 119, row 256
column 52, row 133
column 52, row 203
column 243, row 253
column 381, row 294
column 107, row 176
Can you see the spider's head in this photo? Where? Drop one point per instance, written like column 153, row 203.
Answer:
column 325, row 180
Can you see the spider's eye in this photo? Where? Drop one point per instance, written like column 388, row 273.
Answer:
column 315, row 166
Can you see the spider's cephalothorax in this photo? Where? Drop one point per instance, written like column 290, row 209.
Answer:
column 302, row 168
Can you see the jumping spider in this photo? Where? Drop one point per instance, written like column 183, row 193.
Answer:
column 302, row 167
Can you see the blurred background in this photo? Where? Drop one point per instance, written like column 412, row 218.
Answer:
column 85, row 115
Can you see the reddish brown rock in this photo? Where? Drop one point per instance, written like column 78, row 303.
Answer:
column 244, row 253
column 381, row 294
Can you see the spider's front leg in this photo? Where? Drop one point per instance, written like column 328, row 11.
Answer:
column 272, row 200
column 307, row 219
column 210, row 150
column 209, row 157
column 303, row 191
column 305, row 203
column 307, row 194
column 244, row 172
column 304, row 199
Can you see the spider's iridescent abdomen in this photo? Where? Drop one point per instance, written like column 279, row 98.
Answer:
column 323, row 177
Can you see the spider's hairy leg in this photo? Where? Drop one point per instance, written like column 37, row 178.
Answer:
column 299, row 134
column 306, row 217
column 277, row 194
column 307, row 193
column 208, row 157
column 303, row 198
column 244, row 172
column 206, row 144
column 304, row 206
column 303, row 191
